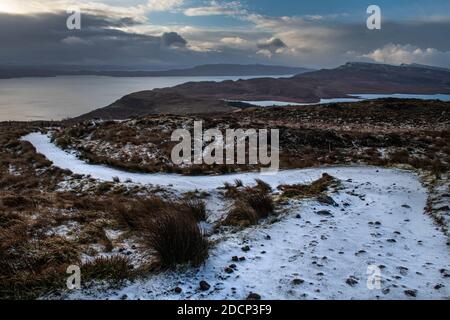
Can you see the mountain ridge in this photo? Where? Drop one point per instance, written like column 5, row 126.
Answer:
column 9, row 72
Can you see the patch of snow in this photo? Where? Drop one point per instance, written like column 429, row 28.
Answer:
column 13, row 170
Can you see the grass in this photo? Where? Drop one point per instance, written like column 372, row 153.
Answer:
column 195, row 208
column 168, row 227
column 115, row 269
column 251, row 204
column 177, row 239
column 308, row 190
column 29, row 268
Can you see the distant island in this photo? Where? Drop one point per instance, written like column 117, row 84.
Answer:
column 207, row 70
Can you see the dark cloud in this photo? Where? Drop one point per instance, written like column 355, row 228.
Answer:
column 173, row 39
column 272, row 45
column 45, row 39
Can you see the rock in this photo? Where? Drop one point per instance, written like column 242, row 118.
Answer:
column 204, row 286
column 386, row 290
column 242, row 259
column 391, row 240
column 406, row 206
column 268, row 237
column 229, row 270
column 245, row 248
column 233, row 266
column 297, row 281
column 235, row 259
column 124, row 297
column 253, row 296
column 438, row 286
column 327, row 200
column 324, row 213
column 403, row 270
column 178, row 290
column 444, row 273
column 411, row 293
column 298, row 216
column 351, row 281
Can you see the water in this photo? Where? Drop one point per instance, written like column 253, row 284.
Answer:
column 27, row 99
column 356, row 98
column 442, row 97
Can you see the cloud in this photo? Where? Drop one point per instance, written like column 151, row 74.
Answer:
column 91, row 7
column 113, row 33
column 163, row 5
column 44, row 39
column 398, row 54
column 271, row 46
column 238, row 42
column 216, row 8
column 173, row 39
column 71, row 40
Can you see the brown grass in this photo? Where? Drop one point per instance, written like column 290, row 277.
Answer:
column 194, row 207
column 308, row 190
column 177, row 239
column 251, row 204
column 115, row 268
column 29, row 268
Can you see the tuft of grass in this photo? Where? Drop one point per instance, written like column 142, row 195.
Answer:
column 263, row 186
column 177, row 239
column 308, row 190
column 115, row 268
column 241, row 215
column 137, row 215
column 251, row 204
column 196, row 208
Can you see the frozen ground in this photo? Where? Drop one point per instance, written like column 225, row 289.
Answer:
column 311, row 251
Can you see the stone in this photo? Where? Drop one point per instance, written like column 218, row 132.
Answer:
column 253, row 296
column 204, row 286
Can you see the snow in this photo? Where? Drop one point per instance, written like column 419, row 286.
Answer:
column 380, row 222
column 69, row 161
column 322, row 252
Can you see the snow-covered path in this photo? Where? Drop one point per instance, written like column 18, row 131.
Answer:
column 307, row 254
column 69, row 161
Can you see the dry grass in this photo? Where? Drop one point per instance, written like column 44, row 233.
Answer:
column 177, row 239
column 115, row 269
column 194, row 207
column 308, row 190
column 251, row 204
column 30, row 267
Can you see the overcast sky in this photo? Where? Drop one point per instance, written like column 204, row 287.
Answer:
column 179, row 33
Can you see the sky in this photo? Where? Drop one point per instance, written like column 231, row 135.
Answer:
column 161, row 34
